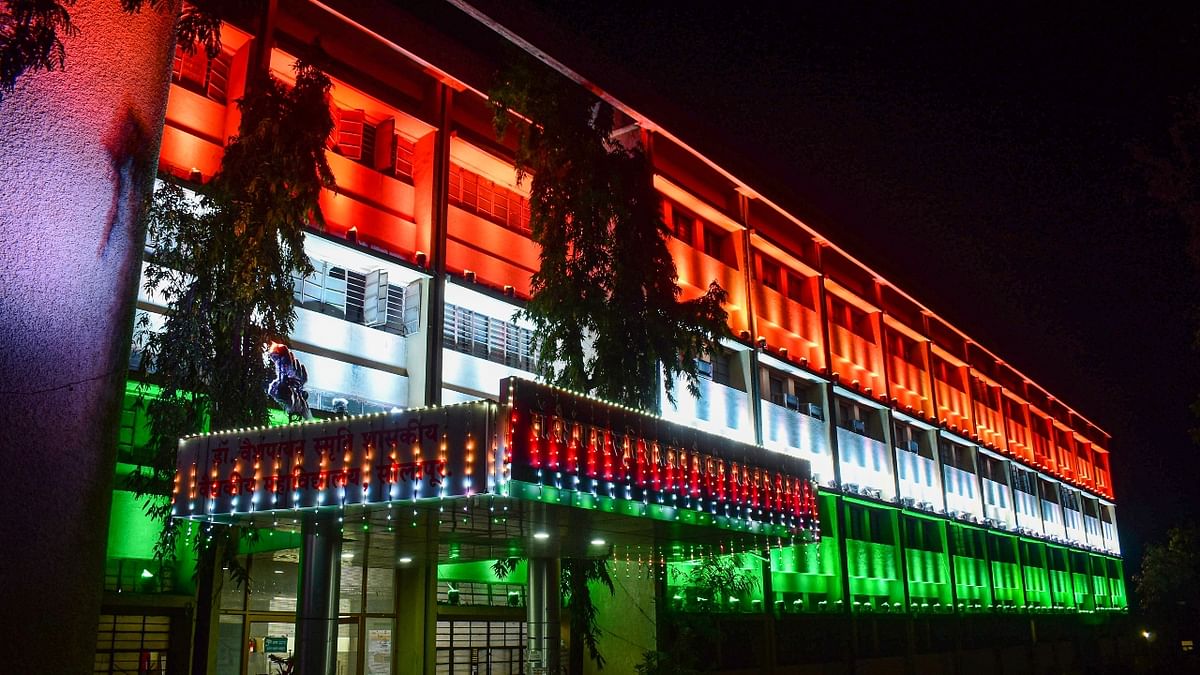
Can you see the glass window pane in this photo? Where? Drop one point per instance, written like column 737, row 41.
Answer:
column 350, row 583
column 229, row 646
column 232, row 594
column 276, row 576
column 347, row 649
column 378, row 658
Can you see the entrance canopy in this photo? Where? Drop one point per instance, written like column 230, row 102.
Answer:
column 543, row 459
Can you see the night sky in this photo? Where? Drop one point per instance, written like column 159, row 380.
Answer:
column 981, row 157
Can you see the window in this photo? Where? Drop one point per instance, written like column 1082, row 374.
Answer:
column 487, row 338
column 682, row 224
column 798, row 290
column 871, row 525
column 957, row 456
column 770, row 274
column 198, row 73
column 778, row 390
column 718, row 367
column 791, row 392
column 1049, row 490
column 375, row 145
column 923, row 534
column 324, row 290
column 472, row 192
column 861, row 419
column 992, row 469
column 909, row 438
column 348, row 129
column 851, row 318
column 358, row 297
column 717, row 244
column 1023, row 480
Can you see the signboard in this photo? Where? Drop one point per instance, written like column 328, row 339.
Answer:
column 275, row 645
column 578, row 444
column 407, row 455
column 540, row 437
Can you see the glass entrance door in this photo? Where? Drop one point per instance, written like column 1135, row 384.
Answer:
column 269, row 646
column 346, row 660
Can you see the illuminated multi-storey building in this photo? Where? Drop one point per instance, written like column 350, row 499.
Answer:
column 953, row 488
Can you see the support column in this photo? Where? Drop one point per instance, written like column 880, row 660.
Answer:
column 543, row 615
column 78, row 151
column 436, row 310
column 751, row 319
column 771, row 647
column 317, row 595
column 415, row 642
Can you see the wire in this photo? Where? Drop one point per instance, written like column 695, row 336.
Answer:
column 31, row 392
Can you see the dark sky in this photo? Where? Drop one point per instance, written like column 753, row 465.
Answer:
column 979, row 154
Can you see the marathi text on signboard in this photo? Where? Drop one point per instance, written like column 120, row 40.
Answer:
column 572, row 442
column 413, row 454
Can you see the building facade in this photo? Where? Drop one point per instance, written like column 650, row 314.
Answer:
column 953, row 490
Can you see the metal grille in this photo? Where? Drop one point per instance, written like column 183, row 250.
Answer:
column 343, row 293
column 492, row 339
column 480, row 647
column 479, row 195
column 479, row 594
column 129, row 643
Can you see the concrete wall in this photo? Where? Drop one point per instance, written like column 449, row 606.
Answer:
column 77, row 153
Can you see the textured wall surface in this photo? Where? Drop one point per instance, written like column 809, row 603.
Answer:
column 75, row 149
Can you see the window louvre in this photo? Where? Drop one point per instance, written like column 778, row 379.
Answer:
column 472, row 192
column 488, row 338
column 348, row 132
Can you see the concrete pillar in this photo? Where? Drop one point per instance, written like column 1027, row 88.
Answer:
column 415, row 641
column 317, row 595
column 543, row 614
column 78, row 148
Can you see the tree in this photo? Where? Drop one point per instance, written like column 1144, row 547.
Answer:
column 605, row 303
column 32, row 31
column 224, row 269
column 575, row 581
column 1172, row 171
column 1168, row 585
column 605, row 299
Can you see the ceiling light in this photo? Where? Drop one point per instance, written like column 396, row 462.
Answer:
column 347, row 555
column 598, row 542
column 278, row 571
column 541, row 535
column 404, row 560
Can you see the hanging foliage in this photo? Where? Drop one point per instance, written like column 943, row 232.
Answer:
column 605, row 303
column 576, row 578
column 32, row 31
column 223, row 266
